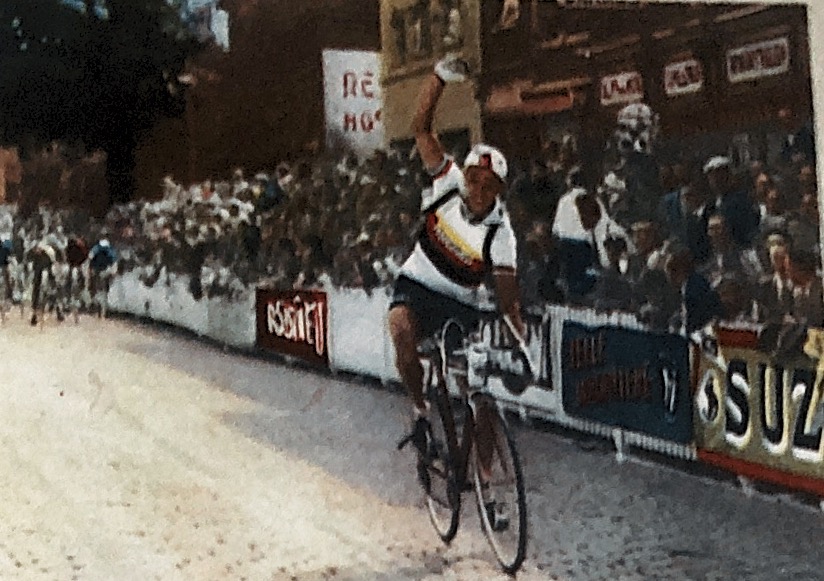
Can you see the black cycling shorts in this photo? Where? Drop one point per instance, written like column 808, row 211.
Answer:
column 432, row 308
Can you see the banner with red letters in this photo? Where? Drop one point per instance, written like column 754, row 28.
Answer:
column 352, row 100
column 294, row 323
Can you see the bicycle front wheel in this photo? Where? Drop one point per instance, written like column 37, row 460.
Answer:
column 499, row 488
column 437, row 470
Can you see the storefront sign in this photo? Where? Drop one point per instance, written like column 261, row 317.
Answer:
column 352, row 100
column 293, row 323
column 757, row 60
column 631, row 379
column 625, row 87
column 683, row 77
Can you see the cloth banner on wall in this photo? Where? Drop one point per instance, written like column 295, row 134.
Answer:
column 352, row 100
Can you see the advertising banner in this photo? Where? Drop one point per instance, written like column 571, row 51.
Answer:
column 503, row 364
column 759, row 416
column 293, row 323
column 759, row 59
column 628, row 378
column 352, row 100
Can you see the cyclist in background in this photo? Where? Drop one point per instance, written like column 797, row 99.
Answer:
column 466, row 237
column 102, row 258
column 77, row 252
column 43, row 256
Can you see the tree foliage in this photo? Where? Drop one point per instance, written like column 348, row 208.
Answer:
column 97, row 72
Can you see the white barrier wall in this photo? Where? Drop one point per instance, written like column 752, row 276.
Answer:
column 359, row 342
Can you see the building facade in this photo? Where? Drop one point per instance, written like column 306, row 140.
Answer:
column 414, row 35
column 712, row 72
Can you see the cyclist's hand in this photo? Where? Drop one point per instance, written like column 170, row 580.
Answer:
column 452, row 69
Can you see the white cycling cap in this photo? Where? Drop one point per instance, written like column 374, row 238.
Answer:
column 716, row 162
column 483, row 155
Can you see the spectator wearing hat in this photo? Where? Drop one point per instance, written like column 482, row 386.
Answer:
column 684, row 213
column 735, row 205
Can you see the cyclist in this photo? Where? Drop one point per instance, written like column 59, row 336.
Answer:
column 101, row 259
column 43, row 255
column 466, row 237
column 77, row 251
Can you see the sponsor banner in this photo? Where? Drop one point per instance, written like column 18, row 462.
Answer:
column 759, row 59
column 293, row 323
column 352, row 100
column 760, row 415
column 503, row 362
column 683, row 78
column 628, row 378
column 625, row 87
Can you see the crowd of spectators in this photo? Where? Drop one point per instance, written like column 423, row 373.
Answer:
column 736, row 246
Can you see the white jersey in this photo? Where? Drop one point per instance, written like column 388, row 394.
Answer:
column 450, row 256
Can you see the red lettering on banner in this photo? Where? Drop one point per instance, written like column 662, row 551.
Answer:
column 367, row 122
column 350, row 122
column 350, row 84
column 297, row 321
column 366, row 85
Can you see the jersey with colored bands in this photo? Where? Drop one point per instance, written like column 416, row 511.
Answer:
column 453, row 255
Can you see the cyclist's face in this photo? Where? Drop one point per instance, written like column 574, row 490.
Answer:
column 482, row 186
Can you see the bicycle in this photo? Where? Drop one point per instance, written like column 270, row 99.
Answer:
column 451, row 464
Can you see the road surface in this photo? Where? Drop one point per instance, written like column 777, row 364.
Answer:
column 135, row 453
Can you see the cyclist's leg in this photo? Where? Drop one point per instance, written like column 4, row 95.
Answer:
column 404, row 329
column 35, row 292
column 485, row 437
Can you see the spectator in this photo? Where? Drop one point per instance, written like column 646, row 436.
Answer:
column 736, row 300
column 775, row 290
column 726, row 257
column 808, row 294
column 539, row 269
column 798, row 144
column 613, row 291
column 700, row 304
column 684, row 214
column 803, row 226
column 735, row 205
column 581, row 226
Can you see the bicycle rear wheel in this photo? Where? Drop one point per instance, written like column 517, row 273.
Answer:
column 437, row 470
column 502, row 499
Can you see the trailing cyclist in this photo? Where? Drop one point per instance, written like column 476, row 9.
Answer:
column 466, row 239
column 102, row 258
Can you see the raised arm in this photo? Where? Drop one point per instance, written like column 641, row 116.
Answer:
column 450, row 69
column 429, row 148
